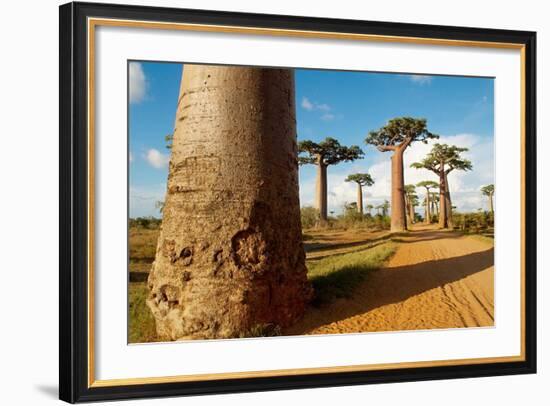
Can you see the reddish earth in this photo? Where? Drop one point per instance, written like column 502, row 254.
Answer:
column 436, row 279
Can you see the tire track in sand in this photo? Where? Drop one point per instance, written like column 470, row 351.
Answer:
column 436, row 279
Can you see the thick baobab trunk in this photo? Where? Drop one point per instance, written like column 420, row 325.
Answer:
column 411, row 212
column 360, row 198
column 407, row 210
column 448, row 204
column 321, row 192
column 442, row 200
column 491, row 205
column 229, row 256
column 398, row 216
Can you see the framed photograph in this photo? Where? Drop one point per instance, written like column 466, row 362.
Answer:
column 258, row 202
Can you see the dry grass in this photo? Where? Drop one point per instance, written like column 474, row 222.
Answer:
column 141, row 324
column 143, row 243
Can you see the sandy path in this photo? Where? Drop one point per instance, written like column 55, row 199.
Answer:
column 436, row 279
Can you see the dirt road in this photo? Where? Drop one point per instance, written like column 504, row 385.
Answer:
column 436, row 279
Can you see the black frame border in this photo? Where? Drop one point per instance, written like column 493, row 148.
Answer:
column 73, row 202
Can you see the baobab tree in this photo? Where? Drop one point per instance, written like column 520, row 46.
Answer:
column 442, row 160
column 434, row 199
column 427, row 184
column 396, row 136
column 323, row 154
column 385, row 207
column 369, row 208
column 229, row 256
column 410, row 199
column 361, row 179
column 489, row 191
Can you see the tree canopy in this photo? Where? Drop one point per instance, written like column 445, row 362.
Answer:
column 400, row 132
column 488, row 190
column 364, row 179
column 410, row 189
column 327, row 152
column 428, row 184
column 444, row 157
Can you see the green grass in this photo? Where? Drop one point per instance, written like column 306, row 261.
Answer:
column 141, row 321
column 338, row 276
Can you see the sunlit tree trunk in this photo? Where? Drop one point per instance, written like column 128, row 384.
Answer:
column 398, row 216
column 442, row 200
column 428, row 213
column 359, row 198
column 448, row 204
column 321, row 191
column 229, row 256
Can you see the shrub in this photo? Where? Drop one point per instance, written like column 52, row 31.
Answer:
column 148, row 222
column 474, row 221
column 309, row 216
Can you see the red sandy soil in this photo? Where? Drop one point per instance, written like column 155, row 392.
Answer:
column 436, row 279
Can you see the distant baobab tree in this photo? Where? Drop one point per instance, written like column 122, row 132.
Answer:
column 442, row 160
column 361, row 179
column 434, row 200
column 396, row 136
column 489, row 191
column 410, row 199
column 323, row 154
column 427, row 184
column 385, row 207
column 369, row 208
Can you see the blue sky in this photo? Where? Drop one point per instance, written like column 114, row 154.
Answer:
column 343, row 105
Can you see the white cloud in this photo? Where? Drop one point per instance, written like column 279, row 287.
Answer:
column 131, row 157
column 137, row 82
column 421, row 79
column 464, row 186
column 306, row 104
column 156, row 159
column 327, row 117
column 313, row 106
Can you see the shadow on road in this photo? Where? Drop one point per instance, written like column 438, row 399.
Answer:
column 393, row 285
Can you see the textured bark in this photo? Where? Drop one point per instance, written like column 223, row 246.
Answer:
column 229, row 256
column 445, row 204
column 398, row 216
column 359, row 198
column 442, row 200
column 491, row 204
column 321, row 191
column 448, row 204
